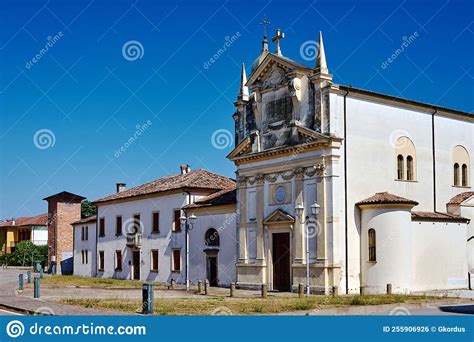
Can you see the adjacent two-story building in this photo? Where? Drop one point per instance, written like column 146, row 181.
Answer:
column 13, row 231
column 138, row 233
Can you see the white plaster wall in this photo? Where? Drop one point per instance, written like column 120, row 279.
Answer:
column 450, row 132
column 165, row 241
column 467, row 210
column 393, row 250
column 80, row 269
column 225, row 224
column 372, row 131
column 439, row 252
column 39, row 235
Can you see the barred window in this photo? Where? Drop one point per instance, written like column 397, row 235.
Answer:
column 372, row 247
column 400, row 167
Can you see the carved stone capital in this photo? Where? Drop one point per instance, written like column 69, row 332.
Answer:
column 260, row 178
column 298, row 172
column 242, row 180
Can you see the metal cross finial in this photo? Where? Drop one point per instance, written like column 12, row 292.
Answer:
column 279, row 35
column 265, row 23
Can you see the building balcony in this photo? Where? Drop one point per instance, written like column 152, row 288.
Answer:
column 134, row 240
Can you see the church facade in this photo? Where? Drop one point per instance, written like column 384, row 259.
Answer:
column 382, row 171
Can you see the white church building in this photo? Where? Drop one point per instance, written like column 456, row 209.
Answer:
column 369, row 190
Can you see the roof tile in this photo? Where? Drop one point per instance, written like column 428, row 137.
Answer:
column 198, row 179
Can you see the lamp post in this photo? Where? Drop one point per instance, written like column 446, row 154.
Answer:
column 188, row 223
column 299, row 210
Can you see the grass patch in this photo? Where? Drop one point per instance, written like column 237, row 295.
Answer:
column 58, row 281
column 242, row 306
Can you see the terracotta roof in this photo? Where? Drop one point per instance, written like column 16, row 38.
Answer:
column 459, row 198
column 89, row 219
column 436, row 216
column 386, row 198
column 197, row 179
column 225, row 196
column 66, row 196
column 39, row 220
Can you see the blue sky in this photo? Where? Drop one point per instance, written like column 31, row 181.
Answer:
column 87, row 97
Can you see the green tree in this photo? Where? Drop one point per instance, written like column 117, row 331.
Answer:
column 87, row 209
column 26, row 252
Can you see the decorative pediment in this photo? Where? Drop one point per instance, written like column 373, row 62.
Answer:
column 244, row 146
column 310, row 135
column 272, row 71
column 279, row 216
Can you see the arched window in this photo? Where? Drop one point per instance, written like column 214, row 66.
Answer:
column 464, row 175
column 456, row 173
column 212, row 238
column 461, row 166
column 409, row 168
column 406, row 153
column 400, row 167
column 372, row 249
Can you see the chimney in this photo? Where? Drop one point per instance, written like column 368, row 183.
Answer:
column 185, row 169
column 13, row 221
column 121, row 187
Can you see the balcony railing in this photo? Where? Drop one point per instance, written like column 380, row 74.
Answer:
column 134, row 240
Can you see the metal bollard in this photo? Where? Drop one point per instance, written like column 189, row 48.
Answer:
column 28, row 277
column 389, row 289
column 264, row 290
column 232, row 289
column 147, row 298
column 20, row 282
column 206, row 287
column 41, row 272
column 199, row 286
column 36, row 283
column 300, row 290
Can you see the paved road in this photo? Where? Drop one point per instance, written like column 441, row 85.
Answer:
column 26, row 303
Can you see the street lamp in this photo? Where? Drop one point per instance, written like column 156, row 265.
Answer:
column 299, row 210
column 188, row 223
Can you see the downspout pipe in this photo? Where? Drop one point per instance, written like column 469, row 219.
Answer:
column 433, row 157
column 346, row 238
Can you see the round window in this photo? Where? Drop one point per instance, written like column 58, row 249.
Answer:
column 280, row 194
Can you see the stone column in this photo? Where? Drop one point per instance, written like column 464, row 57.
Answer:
column 322, row 224
column 299, row 231
column 243, row 220
column 260, row 211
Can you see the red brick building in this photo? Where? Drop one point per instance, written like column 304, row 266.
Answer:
column 64, row 208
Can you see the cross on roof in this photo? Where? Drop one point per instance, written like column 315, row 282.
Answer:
column 265, row 23
column 279, row 35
